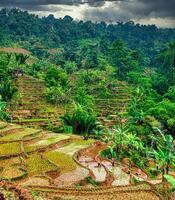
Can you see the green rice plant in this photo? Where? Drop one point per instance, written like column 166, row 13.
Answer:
column 36, row 195
column 9, row 129
column 20, row 135
column 8, row 149
column 46, row 142
column 13, row 172
column 31, row 120
column 64, row 161
column 84, row 142
column 2, row 125
column 73, row 148
column 37, row 165
column 9, row 161
column 31, row 148
column 92, row 181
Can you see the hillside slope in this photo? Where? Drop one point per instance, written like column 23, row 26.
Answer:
column 52, row 166
column 32, row 109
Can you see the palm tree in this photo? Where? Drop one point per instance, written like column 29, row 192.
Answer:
column 81, row 121
column 20, row 59
column 21, row 55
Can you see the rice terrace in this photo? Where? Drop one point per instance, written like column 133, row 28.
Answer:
column 87, row 108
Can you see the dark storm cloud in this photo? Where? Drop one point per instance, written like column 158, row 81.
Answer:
column 134, row 10
column 32, row 2
column 156, row 8
column 47, row 5
column 48, row 2
column 98, row 10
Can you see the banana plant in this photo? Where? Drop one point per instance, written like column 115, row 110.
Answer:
column 170, row 180
column 164, row 152
column 3, row 114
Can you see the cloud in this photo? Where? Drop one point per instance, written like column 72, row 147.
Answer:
column 143, row 11
column 111, row 12
column 49, row 2
column 145, row 8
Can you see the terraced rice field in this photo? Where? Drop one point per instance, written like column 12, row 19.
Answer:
column 31, row 109
column 20, row 135
column 61, row 166
column 47, row 140
column 10, row 149
column 28, row 154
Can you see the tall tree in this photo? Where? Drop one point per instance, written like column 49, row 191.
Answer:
column 166, row 61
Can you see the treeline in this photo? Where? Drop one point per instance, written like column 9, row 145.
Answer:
column 17, row 25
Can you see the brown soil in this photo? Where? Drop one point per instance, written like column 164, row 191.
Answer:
column 139, row 192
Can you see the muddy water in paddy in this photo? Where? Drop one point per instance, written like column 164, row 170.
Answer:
column 101, row 169
column 120, row 177
column 71, row 178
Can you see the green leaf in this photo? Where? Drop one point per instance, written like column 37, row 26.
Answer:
column 170, row 179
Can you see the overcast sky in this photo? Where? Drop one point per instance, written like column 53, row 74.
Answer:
column 159, row 12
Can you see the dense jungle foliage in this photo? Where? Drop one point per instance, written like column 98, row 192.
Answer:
column 74, row 57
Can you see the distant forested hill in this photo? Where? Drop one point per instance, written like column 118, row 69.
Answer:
column 49, row 32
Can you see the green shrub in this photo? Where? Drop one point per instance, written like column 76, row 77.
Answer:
column 37, row 67
column 68, row 129
column 3, row 114
column 84, row 99
column 7, row 90
column 171, row 93
column 70, row 67
column 57, row 95
column 56, row 77
column 81, row 121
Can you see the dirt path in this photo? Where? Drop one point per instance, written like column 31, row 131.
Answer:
column 142, row 191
